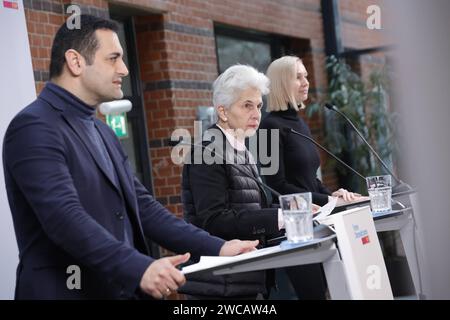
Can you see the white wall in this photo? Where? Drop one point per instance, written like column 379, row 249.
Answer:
column 16, row 91
column 422, row 71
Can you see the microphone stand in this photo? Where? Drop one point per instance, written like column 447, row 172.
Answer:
column 401, row 186
column 328, row 152
column 260, row 183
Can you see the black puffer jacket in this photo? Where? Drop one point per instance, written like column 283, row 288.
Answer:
column 227, row 203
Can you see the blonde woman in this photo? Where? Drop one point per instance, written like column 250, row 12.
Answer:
column 298, row 157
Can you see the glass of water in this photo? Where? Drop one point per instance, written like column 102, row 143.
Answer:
column 380, row 193
column 297, row 215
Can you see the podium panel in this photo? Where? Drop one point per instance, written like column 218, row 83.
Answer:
column 361, row 254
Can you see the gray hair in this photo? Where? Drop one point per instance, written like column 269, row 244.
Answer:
column 235, row 79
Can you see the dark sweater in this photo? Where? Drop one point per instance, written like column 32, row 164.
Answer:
column 298, row 157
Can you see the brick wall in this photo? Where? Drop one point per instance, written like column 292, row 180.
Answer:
column 178, row 62
column 43, row 18
column 177, row 74
column 177, row 56
column 356, row 35
column 186, row 56
column 189, row 61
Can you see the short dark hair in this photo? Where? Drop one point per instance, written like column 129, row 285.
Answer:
column 81, row 39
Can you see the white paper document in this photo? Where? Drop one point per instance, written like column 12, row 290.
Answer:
column 326, row 209
column 354, row 202
column 207, row 262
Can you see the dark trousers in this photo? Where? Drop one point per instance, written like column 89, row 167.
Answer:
column 308, row 281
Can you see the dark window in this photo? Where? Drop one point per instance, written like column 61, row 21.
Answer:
column 248, row 47
column 135, row 145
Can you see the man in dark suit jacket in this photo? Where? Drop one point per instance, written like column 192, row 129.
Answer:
column 75, row 202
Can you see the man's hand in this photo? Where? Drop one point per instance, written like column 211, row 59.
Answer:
column 234, row 247
column 162, row 276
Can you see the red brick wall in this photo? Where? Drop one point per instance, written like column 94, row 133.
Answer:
column 355, row 33
column 187, row 50
column 177, row 69
column 178, row 62
column 43, row 18
column 176, row 50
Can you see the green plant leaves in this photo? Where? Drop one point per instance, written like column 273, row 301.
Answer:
column 366, row 103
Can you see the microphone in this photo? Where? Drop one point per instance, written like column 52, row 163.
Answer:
column 328, row 152
column 116, row 106
column 401, row 186
column 320, row 231
column 238, row 168
column 341, row 162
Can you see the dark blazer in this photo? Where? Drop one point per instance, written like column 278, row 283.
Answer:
column 67, row 210
column 298, row 157
column 227, row 203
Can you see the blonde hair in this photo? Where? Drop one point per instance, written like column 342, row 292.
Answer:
column 281, row 73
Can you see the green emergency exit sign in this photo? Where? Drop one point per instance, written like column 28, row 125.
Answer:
column 118, row 123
